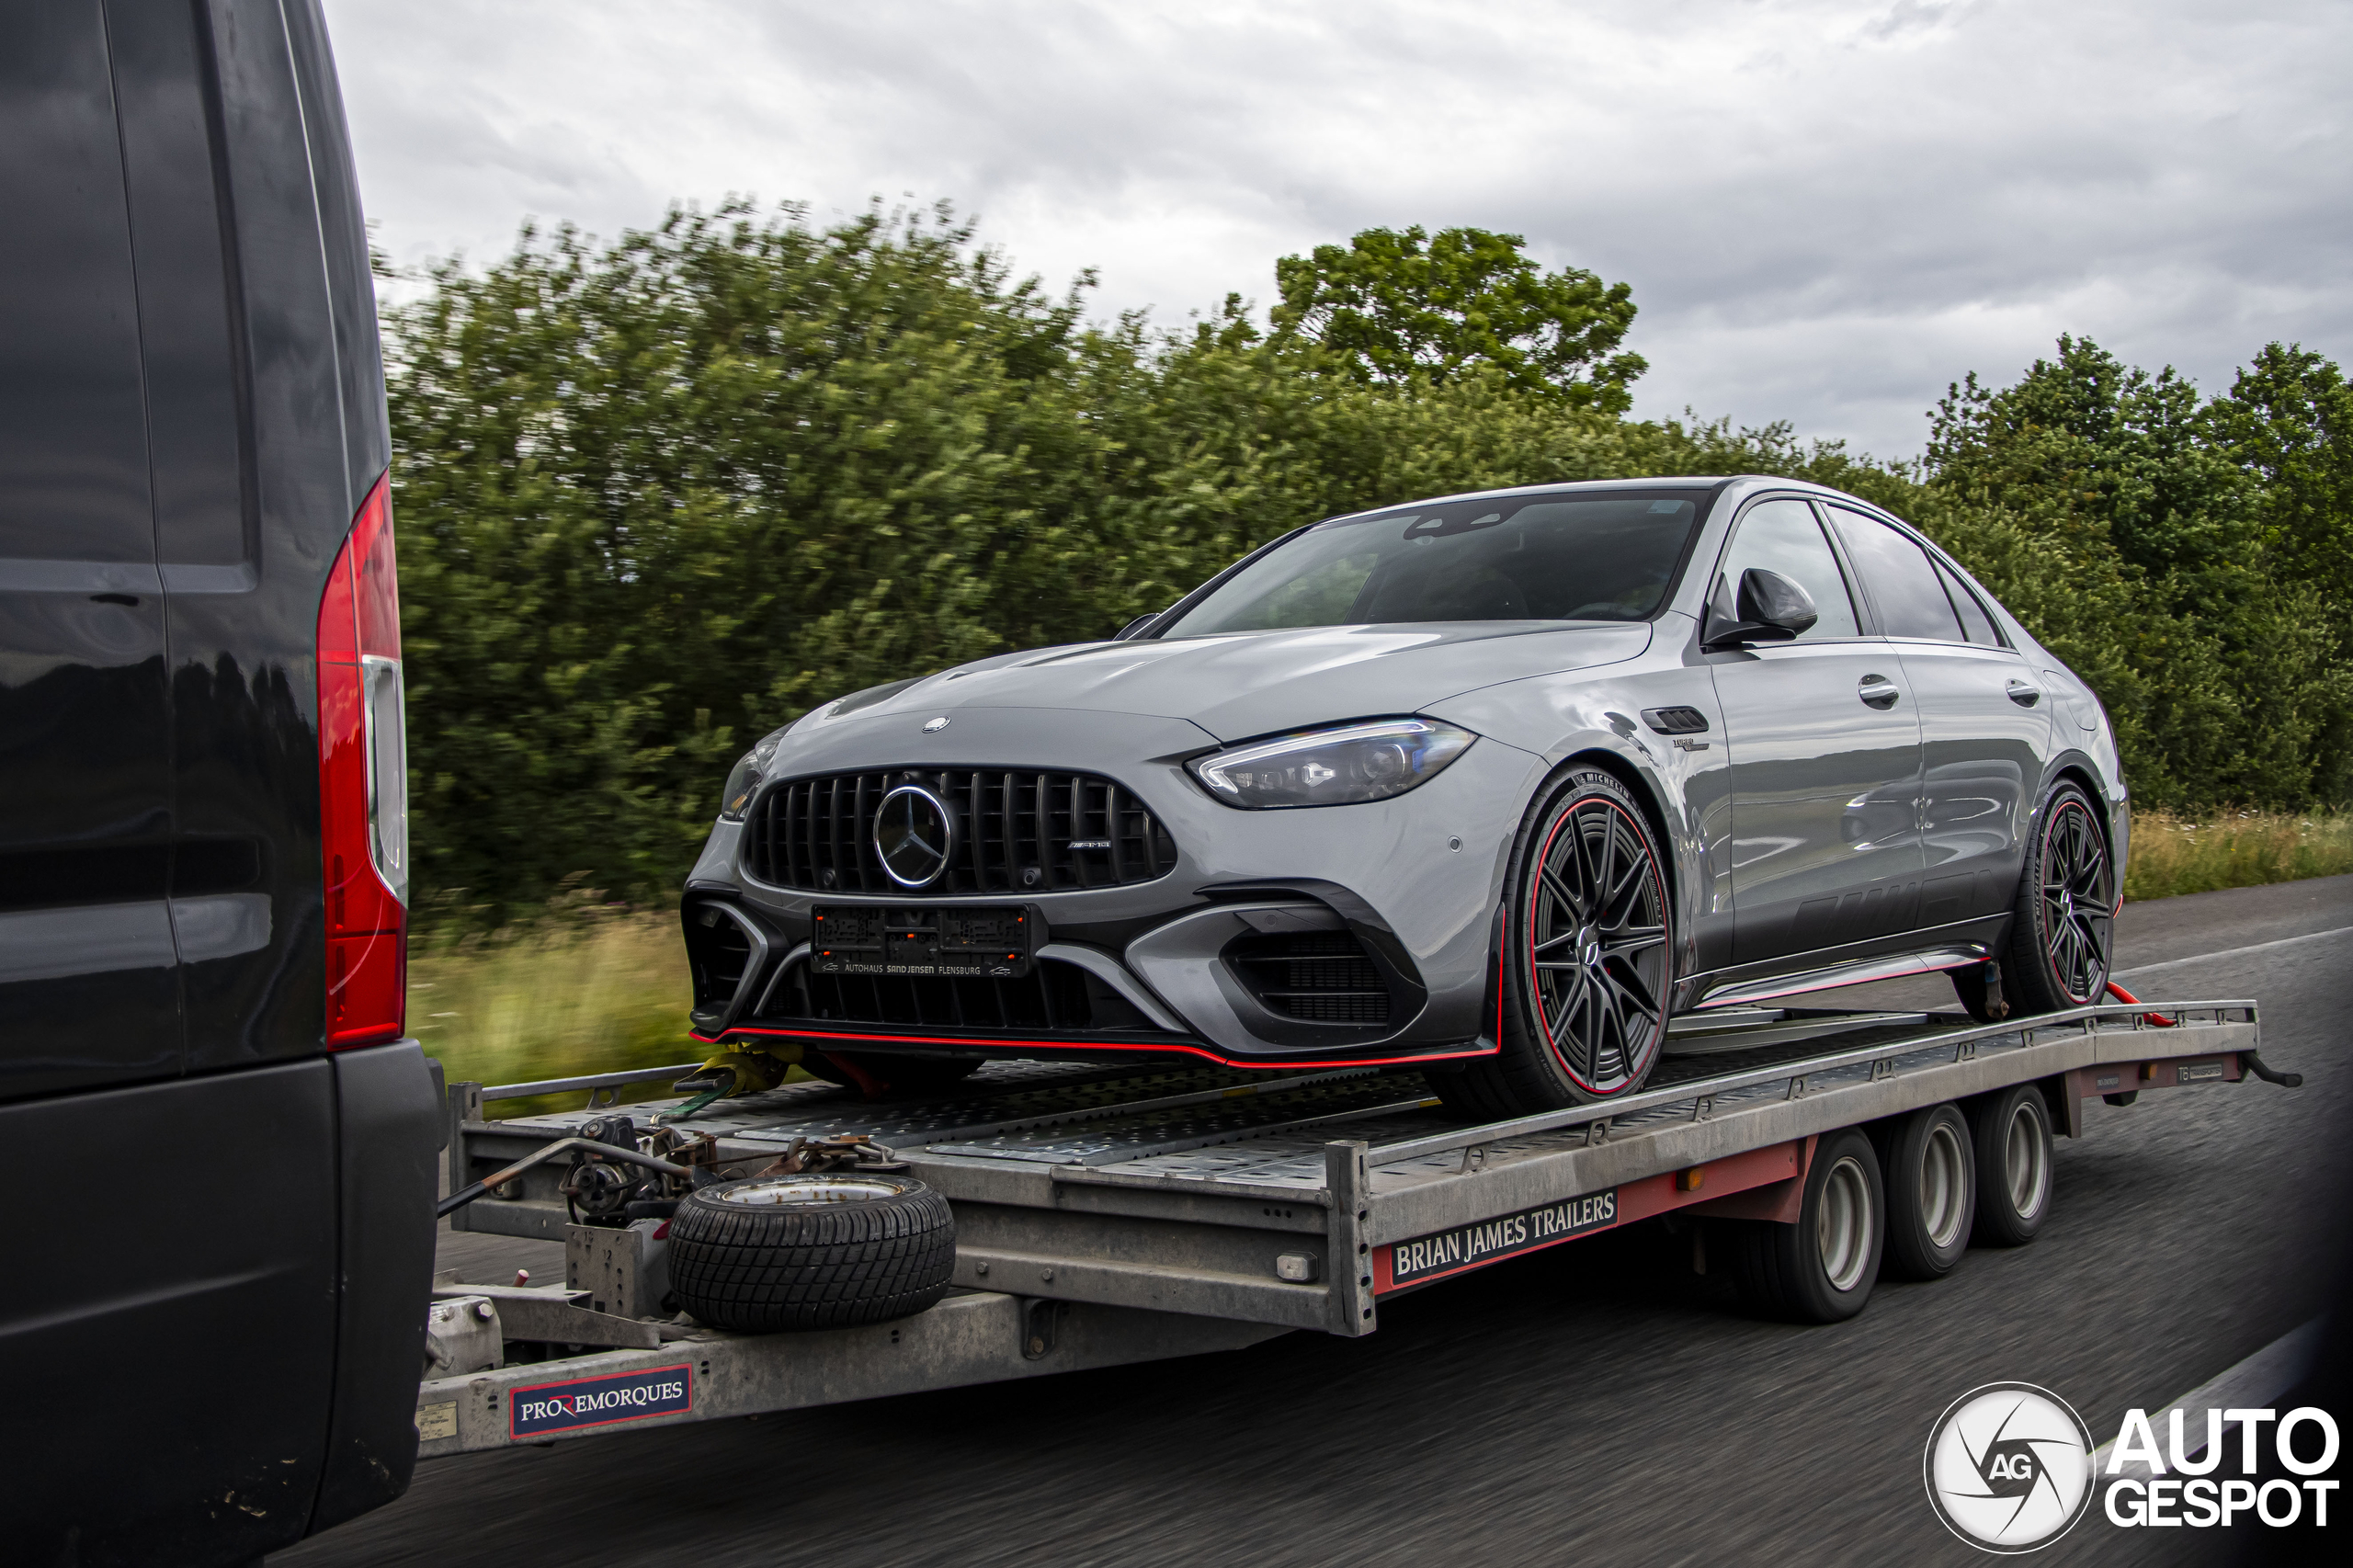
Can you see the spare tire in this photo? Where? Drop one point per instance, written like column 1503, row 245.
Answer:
column 811, row 1251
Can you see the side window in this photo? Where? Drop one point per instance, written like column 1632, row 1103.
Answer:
column 1898, row 576
column 1974, row 622
column 1782, row 536
column 72, row 440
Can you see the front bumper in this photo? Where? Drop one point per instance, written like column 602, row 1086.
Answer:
column 1397, row 896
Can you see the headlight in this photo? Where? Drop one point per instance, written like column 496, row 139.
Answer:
column 744, row 778
column 1333, row 768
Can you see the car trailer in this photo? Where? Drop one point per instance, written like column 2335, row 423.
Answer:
column 1108, row 1214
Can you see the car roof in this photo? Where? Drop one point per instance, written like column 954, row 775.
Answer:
column 1596, row 486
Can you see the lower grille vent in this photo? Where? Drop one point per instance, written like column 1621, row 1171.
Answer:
column 1052, row 997
column 1322, row 977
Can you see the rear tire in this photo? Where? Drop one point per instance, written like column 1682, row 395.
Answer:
column 2061, row 930
column 2014, row 1176
column 811, row 1251
column 1931, row 1179
column 1822, row 1268
column 1588, row 959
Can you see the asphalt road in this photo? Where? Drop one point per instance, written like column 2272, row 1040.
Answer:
column 1598, row 1403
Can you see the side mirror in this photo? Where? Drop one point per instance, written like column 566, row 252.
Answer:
column 1771, row 608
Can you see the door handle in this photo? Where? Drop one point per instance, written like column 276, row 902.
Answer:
column 2024, row 693
column 1877, row 691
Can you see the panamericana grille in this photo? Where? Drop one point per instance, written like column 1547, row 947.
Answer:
column 1323, row 977
column 1015, row 832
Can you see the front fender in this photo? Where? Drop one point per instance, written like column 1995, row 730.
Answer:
column 1596, row 716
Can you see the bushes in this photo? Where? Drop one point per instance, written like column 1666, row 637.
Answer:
column 659, row 498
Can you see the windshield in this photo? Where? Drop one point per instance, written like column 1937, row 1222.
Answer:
column 1590, row 558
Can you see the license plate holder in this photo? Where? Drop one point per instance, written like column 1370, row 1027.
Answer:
column 943, row 941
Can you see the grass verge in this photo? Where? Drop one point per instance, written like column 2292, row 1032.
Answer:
column 2234, row 849
column 583, row 991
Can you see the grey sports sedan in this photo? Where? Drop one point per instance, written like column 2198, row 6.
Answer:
column 1514, row 786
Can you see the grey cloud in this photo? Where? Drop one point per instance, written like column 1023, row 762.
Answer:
column 1827, row 209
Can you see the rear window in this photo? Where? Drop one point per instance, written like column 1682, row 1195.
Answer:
column 1582, row 558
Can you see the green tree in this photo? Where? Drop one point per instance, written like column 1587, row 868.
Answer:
column 2215, row 654
column 1395, row 307
column 2288, row 423
column 658, row 497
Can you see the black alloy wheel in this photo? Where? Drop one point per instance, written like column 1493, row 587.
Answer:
column 2077, row 898
column 1595, row 929
column 2063, row 930
column 1587, row 958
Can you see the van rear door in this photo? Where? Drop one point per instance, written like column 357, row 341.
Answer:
column 88, row 990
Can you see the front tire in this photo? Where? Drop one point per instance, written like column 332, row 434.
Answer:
column 1587, row 961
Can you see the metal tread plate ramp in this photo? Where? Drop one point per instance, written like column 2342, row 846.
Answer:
column 1109, row 1215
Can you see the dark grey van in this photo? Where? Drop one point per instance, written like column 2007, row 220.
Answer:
column 219, row 1141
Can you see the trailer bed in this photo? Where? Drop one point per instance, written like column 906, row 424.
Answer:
column 1108, row 1214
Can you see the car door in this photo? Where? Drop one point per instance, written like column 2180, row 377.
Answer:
column 1985, row 721
column 1824, row 746
column 88, row 993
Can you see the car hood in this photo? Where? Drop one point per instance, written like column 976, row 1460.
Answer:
column 1244, row 684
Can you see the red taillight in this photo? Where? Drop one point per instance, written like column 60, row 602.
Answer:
column 363, row 785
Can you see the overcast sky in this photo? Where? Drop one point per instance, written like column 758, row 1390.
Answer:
column 1827, row 209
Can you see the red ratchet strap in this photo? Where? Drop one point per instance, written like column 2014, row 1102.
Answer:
column 2157, row 1021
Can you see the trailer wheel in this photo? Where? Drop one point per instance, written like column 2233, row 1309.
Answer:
column 2012, row 1133
column 811, row 1251
column 1931, row 1193
column 1822, row 1268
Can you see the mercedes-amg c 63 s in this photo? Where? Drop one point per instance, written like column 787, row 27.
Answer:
column 1507, row 786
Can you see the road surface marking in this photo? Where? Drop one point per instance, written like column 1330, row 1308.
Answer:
column 2228, row 953
column 2257, row 1384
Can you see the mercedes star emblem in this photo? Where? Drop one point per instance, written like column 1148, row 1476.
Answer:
column 933, row 726
column 915, row 834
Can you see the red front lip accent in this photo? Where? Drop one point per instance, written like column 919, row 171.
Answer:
column 1285, row 1064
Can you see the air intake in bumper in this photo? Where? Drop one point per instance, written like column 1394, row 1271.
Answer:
column 1323, row 977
